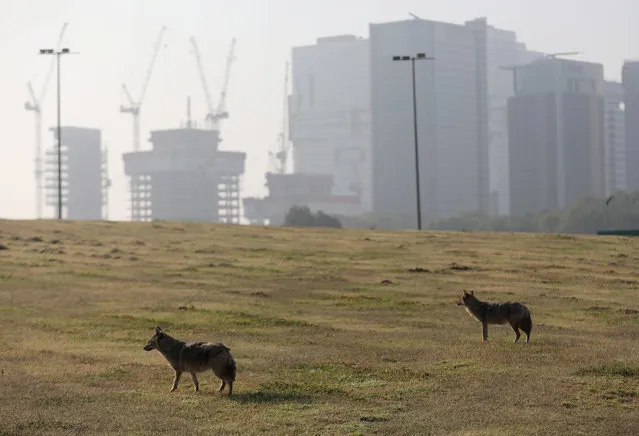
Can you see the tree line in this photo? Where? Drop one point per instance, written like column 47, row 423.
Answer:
column 589, row 215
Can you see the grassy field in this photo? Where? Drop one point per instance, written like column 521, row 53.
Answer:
column 333, row 331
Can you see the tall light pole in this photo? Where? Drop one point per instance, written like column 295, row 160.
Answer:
column 57, row 54
column 412, row 59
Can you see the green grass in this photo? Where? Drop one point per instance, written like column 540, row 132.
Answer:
column 333, row 331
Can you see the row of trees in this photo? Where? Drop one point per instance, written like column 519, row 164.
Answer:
column 620, row 211
column 301, row 216
column 588, row 215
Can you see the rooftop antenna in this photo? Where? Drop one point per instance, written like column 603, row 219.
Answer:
column 415, row 16
column 189, row 123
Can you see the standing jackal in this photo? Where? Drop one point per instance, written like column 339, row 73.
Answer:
column 194, row 358
column 513, row 313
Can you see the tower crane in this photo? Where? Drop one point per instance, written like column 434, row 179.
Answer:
column 134, row 106
column 281, row 156
column 221, row 112
column 200, row 69
column 567, row 53
column 214, row 116
column 35, row 105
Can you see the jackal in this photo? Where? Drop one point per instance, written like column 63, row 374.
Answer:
column 513, row 313
column 195, row 358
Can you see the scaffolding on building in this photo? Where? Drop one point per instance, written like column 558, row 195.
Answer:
column 106, row 183
column 229, row 199
column 184, row 177
column 298, row 189
column 52, row 183
column 84, row 174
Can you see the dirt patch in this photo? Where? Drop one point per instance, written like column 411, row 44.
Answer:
column 419, row 269
column 597, row 309
column 457, row 267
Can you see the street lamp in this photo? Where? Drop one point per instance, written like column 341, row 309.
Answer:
column 57, row 54
column 412, row 59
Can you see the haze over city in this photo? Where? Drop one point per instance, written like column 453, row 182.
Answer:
column 114, row 41
column 381, row 217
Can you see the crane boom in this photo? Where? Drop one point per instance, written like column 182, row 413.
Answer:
column 567, row 53
column 34, row 100
column 205, row 87
column 221, row 112
column 45, row 85
column 125, row 90
column 149, row 71
column 134, row 106
column 35, row 106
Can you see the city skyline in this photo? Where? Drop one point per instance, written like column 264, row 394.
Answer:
column 254, row 100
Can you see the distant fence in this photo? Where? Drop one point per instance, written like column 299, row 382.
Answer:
column 618, row 232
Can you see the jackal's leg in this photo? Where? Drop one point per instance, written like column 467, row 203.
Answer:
column 230, row 383
column 484, row 331
column 516, row 329
column 195, row 382
column 176, row 381
column 222, row 386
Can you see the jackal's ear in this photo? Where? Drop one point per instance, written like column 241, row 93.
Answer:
column 158, row 330
column 472, row 292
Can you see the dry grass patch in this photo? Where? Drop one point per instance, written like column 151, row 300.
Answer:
column 333, row 331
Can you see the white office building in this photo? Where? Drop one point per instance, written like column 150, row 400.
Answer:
column 329, row 112
column 452, row 112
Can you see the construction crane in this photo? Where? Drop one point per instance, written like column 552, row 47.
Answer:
column 567, row 53
column 281, row 156
column 35, row 105
column 213, row 116
column 134, row 106
column 221, row 112
column 200, row 69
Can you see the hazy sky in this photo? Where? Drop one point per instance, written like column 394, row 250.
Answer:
column 115, row 40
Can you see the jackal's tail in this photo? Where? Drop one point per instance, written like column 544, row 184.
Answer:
column 526, row 324
column 231, row 368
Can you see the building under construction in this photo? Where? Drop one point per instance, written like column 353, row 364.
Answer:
column 184, row 177
column 298, row 189
column 85, row 181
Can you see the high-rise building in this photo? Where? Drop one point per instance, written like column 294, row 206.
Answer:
column 503, row 51
column 85, row 181
column 329, row 113
column 615, row 138
column 452, row 112
column 630, row 80
column 556, row 135
column 185, row 177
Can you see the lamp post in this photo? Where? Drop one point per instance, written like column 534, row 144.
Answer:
column 412, row 59
column 57, row 54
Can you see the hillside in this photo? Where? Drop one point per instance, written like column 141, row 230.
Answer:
column 334, row 331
